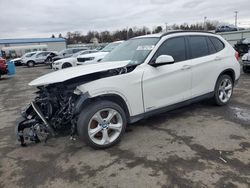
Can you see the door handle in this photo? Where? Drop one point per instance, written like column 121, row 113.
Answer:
column 185, row 67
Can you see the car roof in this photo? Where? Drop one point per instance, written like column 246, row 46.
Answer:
column 160, row 35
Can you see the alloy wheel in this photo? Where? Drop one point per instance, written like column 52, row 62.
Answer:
column 225, row 90
column 105, row 126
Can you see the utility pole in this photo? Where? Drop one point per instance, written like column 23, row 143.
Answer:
column 236, row 18
column 127, row 32
column 205, row 23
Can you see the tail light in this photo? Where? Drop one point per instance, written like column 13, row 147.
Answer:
column 237, row 56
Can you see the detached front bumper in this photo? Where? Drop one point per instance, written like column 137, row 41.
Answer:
column 31, row 117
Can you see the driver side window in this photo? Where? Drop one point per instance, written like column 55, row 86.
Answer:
column 174, row 47
column 39, row 55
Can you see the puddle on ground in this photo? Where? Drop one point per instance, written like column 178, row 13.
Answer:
column 241, row 113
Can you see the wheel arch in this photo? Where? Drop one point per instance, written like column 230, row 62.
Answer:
column 66, row 62
column 109, row 97
column 31, row 61
column 230, row 72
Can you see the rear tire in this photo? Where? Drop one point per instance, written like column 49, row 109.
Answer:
column 223, row 90
column 101, row 124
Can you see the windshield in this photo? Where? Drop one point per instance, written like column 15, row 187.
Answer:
column 79, row 53
column 66, row 51
column 28, row 54
column 110, row 47
column 134, row 50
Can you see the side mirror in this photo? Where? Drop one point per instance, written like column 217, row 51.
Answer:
column 163, row 60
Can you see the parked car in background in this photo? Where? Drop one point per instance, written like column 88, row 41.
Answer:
column 18, row 61
column 37, row 58
column 70, row 61
column 143, row 76
column 246, row 62
column 242, row 46
column 68, row 53
column 98, row 56
column 225, row 28
column 3, row 67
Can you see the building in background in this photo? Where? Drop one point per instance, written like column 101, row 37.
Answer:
column 12, row 48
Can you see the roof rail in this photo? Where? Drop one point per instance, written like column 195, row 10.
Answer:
column 184, row 31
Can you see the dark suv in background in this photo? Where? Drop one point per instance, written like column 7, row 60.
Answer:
column 225, row 28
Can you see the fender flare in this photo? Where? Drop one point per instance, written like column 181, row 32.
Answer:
column 85, row 99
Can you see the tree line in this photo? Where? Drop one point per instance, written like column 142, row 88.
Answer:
column 77, row 37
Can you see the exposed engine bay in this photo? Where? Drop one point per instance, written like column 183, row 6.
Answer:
column 54, row 108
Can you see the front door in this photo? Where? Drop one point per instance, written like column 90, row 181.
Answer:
column 168, row 84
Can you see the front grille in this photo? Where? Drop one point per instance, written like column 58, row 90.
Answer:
column 19, row 62
column 82, row 59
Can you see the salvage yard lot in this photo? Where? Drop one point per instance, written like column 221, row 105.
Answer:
column 196, row 146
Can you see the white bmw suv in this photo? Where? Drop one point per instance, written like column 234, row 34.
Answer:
column 143, row 76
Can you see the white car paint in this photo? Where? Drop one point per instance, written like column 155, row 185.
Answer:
column 71, row 60
column 16, row 59
column 246, row 57
column 69, row 73
column 58, row 64
column 148, row 88
column 95, row 57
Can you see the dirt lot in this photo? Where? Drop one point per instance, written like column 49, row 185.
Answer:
column 197, row 146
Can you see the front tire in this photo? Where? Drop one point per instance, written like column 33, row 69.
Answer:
column 30, row 63
column 223, row 90
column 101, row 124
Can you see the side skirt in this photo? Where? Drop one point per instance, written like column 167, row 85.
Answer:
column 136, row 118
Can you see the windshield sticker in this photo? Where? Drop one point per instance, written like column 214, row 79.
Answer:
column 146, row 47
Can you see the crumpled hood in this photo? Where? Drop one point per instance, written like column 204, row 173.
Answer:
column 73, row 72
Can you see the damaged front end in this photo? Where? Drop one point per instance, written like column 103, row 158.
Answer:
column 57, row 106
column 51, row 111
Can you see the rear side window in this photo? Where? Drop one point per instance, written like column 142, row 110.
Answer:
column 217, row 43
column 198, row 46
column 174, row 47
column 211, row 47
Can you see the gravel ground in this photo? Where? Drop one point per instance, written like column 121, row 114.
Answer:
column 196, row 146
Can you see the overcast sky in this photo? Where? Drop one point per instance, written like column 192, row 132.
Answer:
column 41, row 18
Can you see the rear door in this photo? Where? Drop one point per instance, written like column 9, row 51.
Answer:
column 41, row 57
column 205, row 59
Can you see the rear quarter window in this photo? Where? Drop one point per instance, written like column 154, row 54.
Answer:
column 211, row 47
column 218, row 44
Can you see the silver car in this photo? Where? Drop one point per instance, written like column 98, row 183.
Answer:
column 37, row 58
